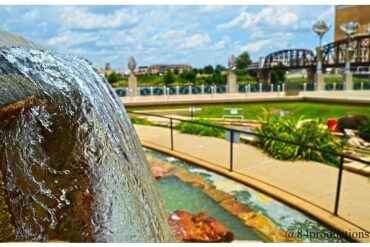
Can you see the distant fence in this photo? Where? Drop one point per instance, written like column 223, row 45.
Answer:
column 222, row 89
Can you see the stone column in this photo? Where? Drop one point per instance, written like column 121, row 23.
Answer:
column 319, row 77
column 231, row 82
column 347, row 76
column 265, row 77
column 132, row 84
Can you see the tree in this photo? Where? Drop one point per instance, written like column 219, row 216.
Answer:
column 220, row 68
column 113, row 77
column 208, row 69
column 277, row 76
column 188, row 75
column 168, row 78
column 176, row 71
column 218, row 78
column 243, row 61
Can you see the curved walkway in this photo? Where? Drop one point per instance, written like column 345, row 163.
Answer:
column 306, row 185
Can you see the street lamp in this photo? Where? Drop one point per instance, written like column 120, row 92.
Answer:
column 320, row 28
column 350, row 29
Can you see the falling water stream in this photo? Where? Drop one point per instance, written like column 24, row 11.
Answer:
column 71, row 165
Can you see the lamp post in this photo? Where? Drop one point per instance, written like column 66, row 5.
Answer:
column 231, row 77
column 320, row 28
column 350, row 29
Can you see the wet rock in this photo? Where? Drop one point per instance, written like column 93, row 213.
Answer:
column 218, row 195
column 72, row 167
column 198, row 228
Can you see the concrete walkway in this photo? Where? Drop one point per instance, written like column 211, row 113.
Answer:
column 311, row 181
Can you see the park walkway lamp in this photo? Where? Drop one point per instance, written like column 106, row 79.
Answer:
column 320, row 28
column 350, row 29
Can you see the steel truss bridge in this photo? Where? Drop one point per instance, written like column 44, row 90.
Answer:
column 334, row 56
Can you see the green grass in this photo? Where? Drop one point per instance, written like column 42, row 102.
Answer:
column 293, row 109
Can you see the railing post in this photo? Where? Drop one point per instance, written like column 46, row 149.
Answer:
column 231, row 149
column 338, row 185
column 171, row 127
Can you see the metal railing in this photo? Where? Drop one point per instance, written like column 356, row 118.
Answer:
column 222, row 89
column 232, row 131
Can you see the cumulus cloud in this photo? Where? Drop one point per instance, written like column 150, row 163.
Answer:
column 195, row 41
column 211, row 8
column 277, row 16
column 79, row 17
column 70, row 39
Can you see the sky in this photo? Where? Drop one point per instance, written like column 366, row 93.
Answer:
column 193, row 34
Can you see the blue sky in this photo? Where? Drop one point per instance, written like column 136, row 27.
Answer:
column 197, row 35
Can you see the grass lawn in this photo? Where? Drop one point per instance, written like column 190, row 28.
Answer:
column 293, row 109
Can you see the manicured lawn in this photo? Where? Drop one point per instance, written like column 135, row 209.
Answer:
column 293, row 109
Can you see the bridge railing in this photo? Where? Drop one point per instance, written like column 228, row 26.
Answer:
column 334, row 186
column 222, row 89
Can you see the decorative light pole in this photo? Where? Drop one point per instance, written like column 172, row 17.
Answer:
column 320, row 28
column 350, row 29
column 132, row 82
column 231, row 77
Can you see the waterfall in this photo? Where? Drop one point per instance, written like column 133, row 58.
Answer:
column 71, row 164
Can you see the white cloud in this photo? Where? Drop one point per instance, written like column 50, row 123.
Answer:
column 274, row 42
column 273, row 16
column 211, row 8
column 78, row 17
column 222, row 44
column 195, row 41
column 69, row 39
column 256, row 46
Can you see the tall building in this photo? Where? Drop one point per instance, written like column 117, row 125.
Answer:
column 355, row 13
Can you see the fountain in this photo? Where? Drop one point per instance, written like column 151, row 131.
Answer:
column 71, row 165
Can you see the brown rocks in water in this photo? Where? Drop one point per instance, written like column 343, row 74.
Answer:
column 198, row 228
column 158, row 171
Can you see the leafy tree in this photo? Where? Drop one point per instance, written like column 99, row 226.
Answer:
column 278, row 75
column 176, row 71
column 113, row 77
column 220, row 68
column 243, row 61
column 168, row 78
column 208, row 69
column 218, row 78
column 188, row 75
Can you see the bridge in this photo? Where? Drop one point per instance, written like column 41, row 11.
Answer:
column 334, row 56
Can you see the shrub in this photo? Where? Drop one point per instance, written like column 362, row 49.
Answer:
column 141, row 121
column 351, row 122
column 202, row 130
column 309, row 132
column 364, row 130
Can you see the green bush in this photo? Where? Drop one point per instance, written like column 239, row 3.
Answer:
column 364, row 130
column 309, row 132
column 140, row 121
column 198, row 129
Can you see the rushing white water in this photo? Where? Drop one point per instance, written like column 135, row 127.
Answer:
column 72, row 165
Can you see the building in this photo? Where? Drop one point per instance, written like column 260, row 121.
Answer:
column 142, row 70
column 163, row 68
column 355, row 13
column 107, row 69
